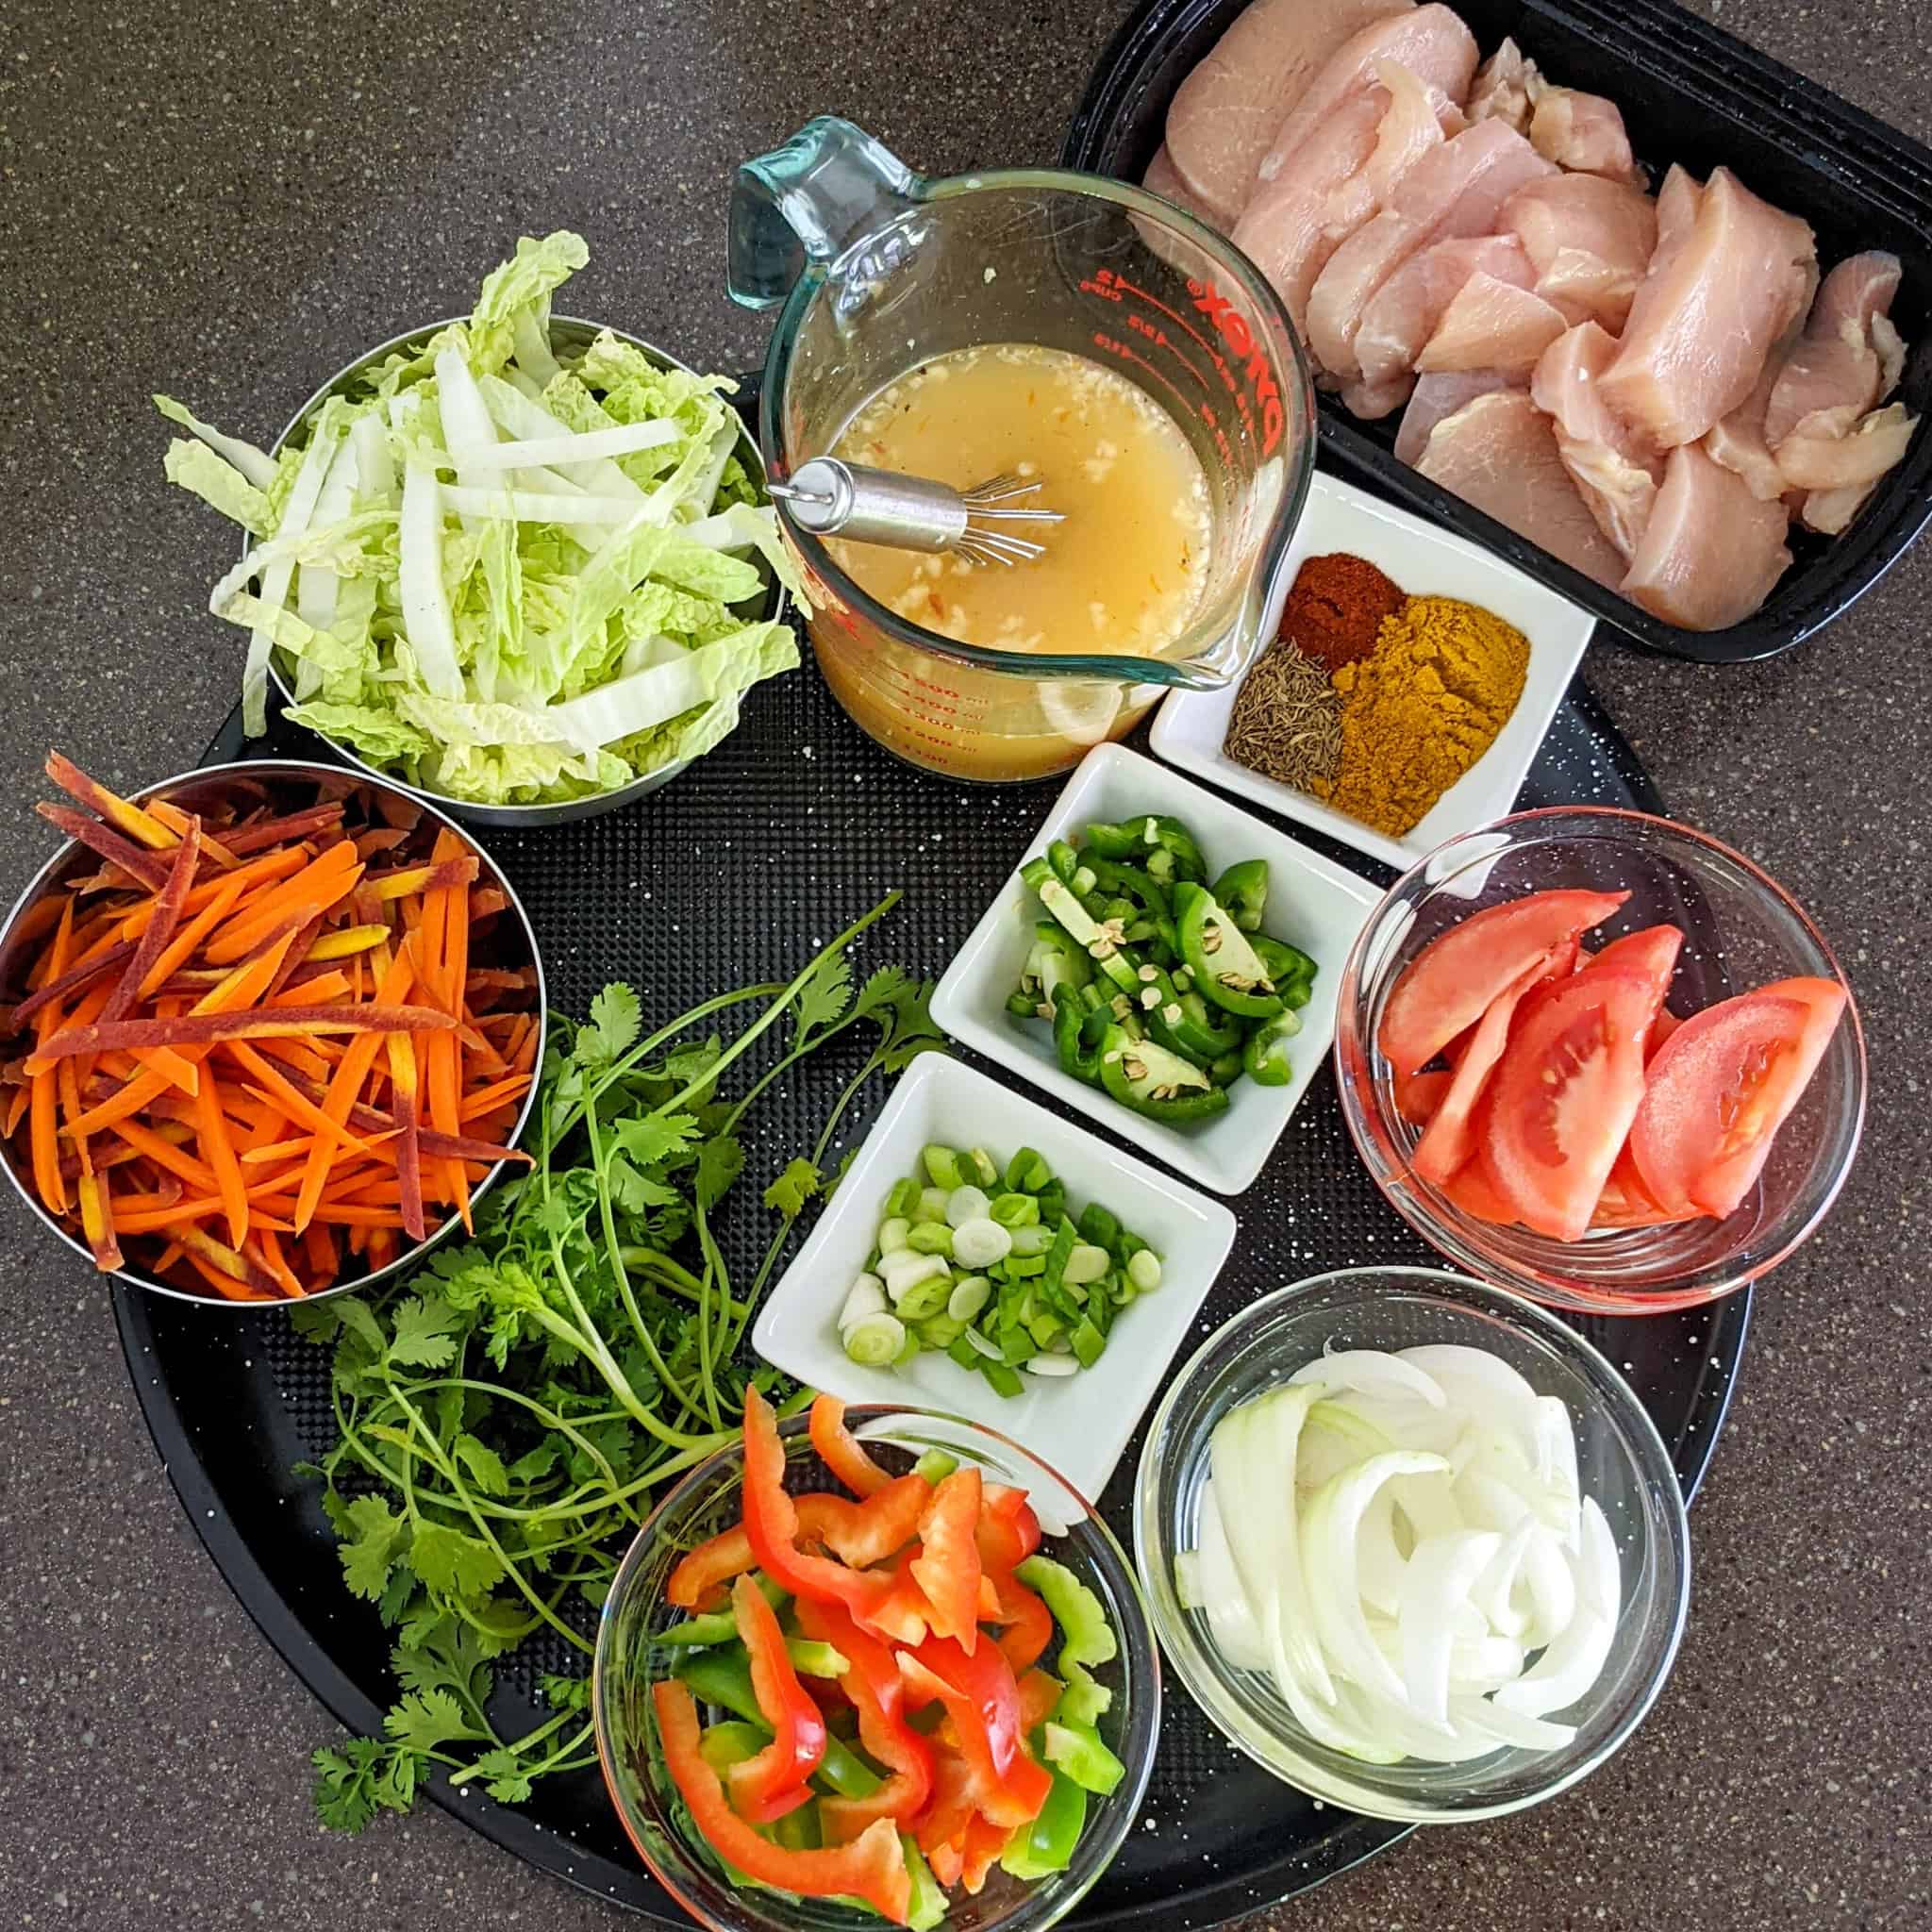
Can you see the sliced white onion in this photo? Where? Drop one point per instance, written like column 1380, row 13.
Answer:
column 1436, row 1584
column 1571, row 1663
column 1253, row 1452
column 1427, row 1505
column 1599, row 1571
column 1401, row 1734
column 1378, row 1564
column 1335, row 1438
column 1556, row 1455
column 1372, row 1372
column 1330, row 1527
column 1552, row 1587
column 1510, row 1726
column 1493, row 1588
column 1230, row 1616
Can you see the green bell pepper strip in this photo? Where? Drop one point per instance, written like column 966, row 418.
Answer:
column 1289, row 967
column 1079, row 1749
column 1046, row 1845
column 1131, row 1078
column 935, row 1466
column 1076, row 1036
column 1225, row 965
column 1242, row 889
column 734, row 1741
column 1264, row 1058
column 926, row 1907
column 722, row 1676
column 1085, row 1637
column 720, row 1626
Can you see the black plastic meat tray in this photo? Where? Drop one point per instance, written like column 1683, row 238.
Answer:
column 1689, row 93
column 739, row 869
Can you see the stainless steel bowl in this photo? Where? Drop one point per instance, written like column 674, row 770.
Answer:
column 73, row 858
column 567, row 333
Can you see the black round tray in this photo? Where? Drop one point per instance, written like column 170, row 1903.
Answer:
column 743, row 866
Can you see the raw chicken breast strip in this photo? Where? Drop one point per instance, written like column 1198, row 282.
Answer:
column 1718, row 296
column 1228, row 111
column 1835, row 363
column 1456, row 191
column 1737, row 442
column 1287, row 231
column 1403, row 313
column 1583, row 133
column 1491, row 324
column 1590, row 241
column 1506, row 87
column 1163, row 178
column 1712, row 552
column 1435, row 398
column 1613, row 470
column 1499, row 453
column 1431, row 42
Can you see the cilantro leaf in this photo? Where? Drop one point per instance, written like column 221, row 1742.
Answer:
column 616, row 1020
column 536, row 1463
column 427, row 1719
column 566, row 1694
column 369, row 1550
column 508, row 1775
column 424, row 1333
column 720, row 1162
column 793, row 1189
column 315, row 1321
column 452, row 1563
column 484, row 1464
column 653, row 1138
column 637, row 1194
column 346, row 1783
column 826, row 993
column 357, row 1319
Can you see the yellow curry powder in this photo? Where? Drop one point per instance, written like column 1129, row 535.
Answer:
column 1422, row 709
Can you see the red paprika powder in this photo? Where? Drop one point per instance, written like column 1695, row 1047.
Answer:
column 1336, row 609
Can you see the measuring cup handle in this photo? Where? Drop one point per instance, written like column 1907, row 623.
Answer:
column 808, row 201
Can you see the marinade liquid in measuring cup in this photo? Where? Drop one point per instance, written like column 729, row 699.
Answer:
column 1040, row 322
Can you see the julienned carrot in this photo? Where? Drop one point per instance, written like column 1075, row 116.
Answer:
column 272, row 1052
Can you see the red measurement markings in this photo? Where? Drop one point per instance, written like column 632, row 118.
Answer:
column 1112, row 345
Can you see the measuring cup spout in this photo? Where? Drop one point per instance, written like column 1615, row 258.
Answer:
column 810, row 200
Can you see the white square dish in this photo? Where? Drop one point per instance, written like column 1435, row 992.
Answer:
column 1312, row 903
column 1077, row 1424
column 1427, row 562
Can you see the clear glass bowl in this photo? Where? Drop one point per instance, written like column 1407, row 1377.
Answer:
column 629, row 1660
column 1740, row 929
column 1622, row 1461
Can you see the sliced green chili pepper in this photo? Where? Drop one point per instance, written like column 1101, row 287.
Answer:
column 1022, row 1006
column 1076, row 1036
column 1114, row 877
column 1146, row 1076
column 1046, row 1845
column 1064, row 904
column 1289, row 967
column 1264, row 1058
column 1242, row 889
column 1053, row 960
column 1171, row 852
column 1226, row 966
column 1064, row 860
column 1225, row 1070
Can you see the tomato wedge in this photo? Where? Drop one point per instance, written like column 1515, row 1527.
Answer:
column 1661, row 1028
column 1720, row 1088
column 1652, row 953
column 1418, row 1095
column 1625, row 1201
column 1471, row 1190
column 1449, row 983
column 1451, row 1139
column 1563, row 1098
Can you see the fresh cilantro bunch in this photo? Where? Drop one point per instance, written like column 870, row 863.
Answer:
column 505, row 1417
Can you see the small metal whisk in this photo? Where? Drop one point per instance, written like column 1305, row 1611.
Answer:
column 834, row 498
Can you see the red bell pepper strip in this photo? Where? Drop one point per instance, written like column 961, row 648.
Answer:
column 841, row 1452
column 857, row 1533
column 943, row 1824
column 985, row 1841
column 983, row 1701
column 900, row 1613
column 947, row 1568
column 872, row 1867
column 948, row 1861
column 1008, row 1531
column 1039, row 1696
column 770, row 1522
column 766, row 1787
column 1027, row 1625
column 878, row 1695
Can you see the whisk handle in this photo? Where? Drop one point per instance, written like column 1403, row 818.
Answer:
column 831, row 497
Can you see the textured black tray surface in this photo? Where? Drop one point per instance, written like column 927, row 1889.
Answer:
column 1691, row 94
column 732, row 874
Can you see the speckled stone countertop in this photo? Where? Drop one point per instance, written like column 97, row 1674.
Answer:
column 225, row 200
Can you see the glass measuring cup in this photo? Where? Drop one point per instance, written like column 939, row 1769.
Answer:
column 879, row 271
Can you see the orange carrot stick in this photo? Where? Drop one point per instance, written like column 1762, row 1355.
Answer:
column 182, row 947
column 161, row 926
column 402, row 1071
column 118, row 811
